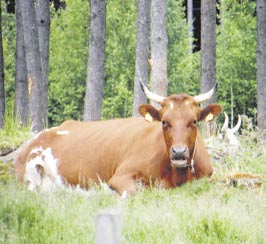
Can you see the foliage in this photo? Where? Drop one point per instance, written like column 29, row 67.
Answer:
column 236, row 57
column 119, row 58
column 68, row 61
column 204, row 211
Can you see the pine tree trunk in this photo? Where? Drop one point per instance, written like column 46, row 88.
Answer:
column 159, row 41
column 43, row 26
column 190, row 24
column 37, row 102
column 142, row 53
column 208, row 54
column 2, row 87
column 208, row 45
column 261, row 68
column 21, row 108
column 95, row 71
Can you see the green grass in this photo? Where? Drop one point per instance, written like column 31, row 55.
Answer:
column 204, row 211
column 13, row 135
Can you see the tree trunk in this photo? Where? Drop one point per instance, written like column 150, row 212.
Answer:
column 159, row 41
column 95, row 71
column 261, row 68
column 37, row 102
column 142, row 53
column 21, row 108
column 190, row 24
column 2, row 87
column 208, row 45
column 43, row 25
column 208, row 52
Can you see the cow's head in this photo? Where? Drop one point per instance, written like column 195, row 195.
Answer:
column 179, row 115
column 228, row 134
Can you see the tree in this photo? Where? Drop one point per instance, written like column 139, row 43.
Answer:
column 208, row 45
column 208, row 52
column 190, row 24
column 2, row 87
column 142, row 53
column 261, row 68
column 159, row 41
column 21, row 107
column 43, row 26
column 37, row 99
column 95, row 72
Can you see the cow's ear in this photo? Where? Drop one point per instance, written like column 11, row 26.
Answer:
column 210, row 112
column 149, row 112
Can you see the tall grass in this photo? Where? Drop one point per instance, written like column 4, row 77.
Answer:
column 13, row 134
column 204, row 211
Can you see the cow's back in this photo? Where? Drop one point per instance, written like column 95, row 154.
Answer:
column 94, row 150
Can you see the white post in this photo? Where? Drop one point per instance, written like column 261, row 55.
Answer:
column 109, row 227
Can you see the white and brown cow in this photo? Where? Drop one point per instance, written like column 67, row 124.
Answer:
column 165, row 148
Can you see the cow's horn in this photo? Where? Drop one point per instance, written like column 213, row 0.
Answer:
column 226, row 122
column 205, row 96
column 236, row 128
column 152, row 96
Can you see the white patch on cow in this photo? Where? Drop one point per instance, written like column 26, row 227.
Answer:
column 172, row 105
column 62, row 132
column 41, row 171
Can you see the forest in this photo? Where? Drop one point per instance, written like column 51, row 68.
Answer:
column 68, row 58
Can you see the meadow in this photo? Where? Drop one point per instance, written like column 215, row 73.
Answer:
column 211, row 210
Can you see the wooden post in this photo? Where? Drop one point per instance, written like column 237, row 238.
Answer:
column 109, row 227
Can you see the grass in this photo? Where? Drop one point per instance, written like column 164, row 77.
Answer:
column 13, row 135
column 204, row 211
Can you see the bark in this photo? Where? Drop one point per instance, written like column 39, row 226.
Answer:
column 21, row 108
column 159, row 41
column 38, row 114
column 208, row 45
column 190, row 24
column 208, row 54
column 142, row 53
column 43, row 26
column 261, row 69
column 2, row 85
column 95, row 70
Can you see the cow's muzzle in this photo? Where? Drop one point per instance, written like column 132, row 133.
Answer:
column 179, row 156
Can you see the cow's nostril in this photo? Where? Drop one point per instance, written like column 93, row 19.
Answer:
column 179, row 152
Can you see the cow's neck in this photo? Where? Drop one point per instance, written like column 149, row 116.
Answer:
column 182, row 176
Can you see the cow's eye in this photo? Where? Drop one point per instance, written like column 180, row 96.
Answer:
column 165, row 124
column 193, row 123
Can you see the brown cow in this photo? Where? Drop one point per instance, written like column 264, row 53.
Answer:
column 164, row 149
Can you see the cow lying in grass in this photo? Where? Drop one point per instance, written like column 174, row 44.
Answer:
column 163, row 148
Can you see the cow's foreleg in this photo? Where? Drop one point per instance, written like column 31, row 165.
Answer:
column 123, row 184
